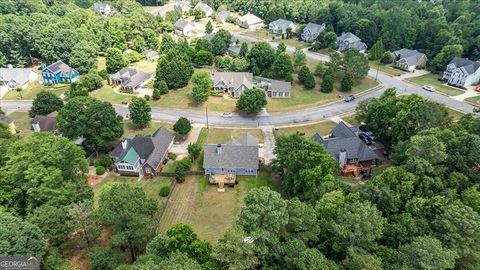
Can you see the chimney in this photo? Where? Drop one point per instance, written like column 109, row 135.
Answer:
column 342, row 157
column 124, row 144
column 219, row 149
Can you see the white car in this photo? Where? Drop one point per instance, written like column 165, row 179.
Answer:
column 226, row 115
column 428, row 88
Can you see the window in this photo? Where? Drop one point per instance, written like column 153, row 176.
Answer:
column 121, row 167
column 287, row 94
column 148, row 170
column 129, row 167
column 280, row 94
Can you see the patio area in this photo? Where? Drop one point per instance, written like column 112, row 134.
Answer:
column 221, row 180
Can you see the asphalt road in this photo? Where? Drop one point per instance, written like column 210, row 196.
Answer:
column 282, row 118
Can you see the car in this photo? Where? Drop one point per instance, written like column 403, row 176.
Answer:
column 370, row 135
column 364, row 138
column 349, row 98
column 429, row 88
column 226, row 115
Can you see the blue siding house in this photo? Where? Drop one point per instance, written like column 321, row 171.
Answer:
column 58, row 72
column 236, row 157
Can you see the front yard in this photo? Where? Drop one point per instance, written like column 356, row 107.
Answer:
column 223, row 135
column 388, row 69
column 474, row 100
column 323, row 128
column 23, row 123
column 266, row 34
column 32, row 90
column 432, row 79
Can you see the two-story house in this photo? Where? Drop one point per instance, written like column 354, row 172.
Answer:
column 280, row 26
column 234, row 83
column 58, row 72
column 462, row 72
column 348, row 41
column 312, row 31
column 409, row 60
column 143, row 155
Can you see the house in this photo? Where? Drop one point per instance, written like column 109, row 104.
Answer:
column 58, row 72
column 45, row 123
column 235, row 49
column 462, row 72
column 9, row 122
column 349, row 41
column 222, row 16
column 280, row 26
column 345, row 146
column 151, row 55
column 185, row 28
column 233, row 39
column 236, row 157
column 205, row 8
column 104, row 9
column 409, row 60
column 130, row 78
column 312, row 31
column 250, row 21
column 14, row 78
column 234, row 83
column 182, row 7
column 143, row 155
column 275, row 88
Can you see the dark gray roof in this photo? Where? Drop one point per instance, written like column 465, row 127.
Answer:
column 5, row 119
column 314, row 28
column 341, row 130
column 281, row 23
column 161, row 139
column 15, row 76
column 411, row 56
column 235, row 154
column 131, row 77
column 469, row 65
column 60, row 66
column 349, row 36
column 46, row 123
column 274, row 85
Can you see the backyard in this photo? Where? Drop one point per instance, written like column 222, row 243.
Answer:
column 323, row 128
column 210, row 213
column 432, row 79
column 23, row 123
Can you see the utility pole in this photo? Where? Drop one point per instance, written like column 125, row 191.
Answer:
column 206, row 113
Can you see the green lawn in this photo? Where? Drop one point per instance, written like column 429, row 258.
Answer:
column 474, row 100
column 388, row 69
column 351, row 120
column 323, row 128
column 432, row 79
column 223, row 135
column 266, row 34
column 129, row 129
column 32, row 90
column 23, row 123
column 210, row 213
column 145, row 65
column 151, row 186
column 106, row 93
column 456, row 115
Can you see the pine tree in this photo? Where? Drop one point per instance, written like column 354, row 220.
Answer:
column 209, row 27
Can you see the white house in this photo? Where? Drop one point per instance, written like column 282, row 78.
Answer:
column 462, row 72
column 232, row 82
column 12, row 78
column 104, row 9
column 205, row 8
column 250, row 21
column 280, row 26
column 184, row 28
column 182, row 7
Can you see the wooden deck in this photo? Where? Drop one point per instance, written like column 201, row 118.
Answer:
column 221, row 180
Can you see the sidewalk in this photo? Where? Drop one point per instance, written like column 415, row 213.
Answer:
column 467, row 94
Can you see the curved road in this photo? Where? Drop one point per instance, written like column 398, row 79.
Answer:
column 282, row 118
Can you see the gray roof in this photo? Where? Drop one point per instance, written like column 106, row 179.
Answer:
column 314, row 28
column 250, row 19
column 274, row 85
column 234, row 79
column 131, row 77
column 411, row 56
column 46, row 122
column 223, row 15
column 181, row 24
column 281, row 23
column 469, row 65
column 235, row 154
column 182, row 5
column 150, row 149
column 15, row 76
column 345, row 139
column 5, row 119
column 350, row 37
column 204, row 7
column 60, row 66
column 150, row 53
column 100, row 6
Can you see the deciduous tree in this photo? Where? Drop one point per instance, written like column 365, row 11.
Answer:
column 252, row 100
column 139, row 111
column 44, row 103
column 182, row 126
column 115, row 60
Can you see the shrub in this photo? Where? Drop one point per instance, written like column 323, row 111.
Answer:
column 103, row 73
column 172, row 156
column 100, row 170
column 387, row 58
column 164, row 191
column 146, row 97
column 104, row 161
column 183, row 166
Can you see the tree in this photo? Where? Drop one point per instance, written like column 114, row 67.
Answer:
column 203, row 57
column 360, row 259
column 302, row 222
column 303, row 74
column 167, row 43
column 194, row 150
column 44, row 103
column 299, row 58
column 387, row 58
column 356, row 63
column 425, row 252
column 182, row 126
column 139, row 111
column 377, row 50
column 180, row 237
column 19, row 237
column 84, row 3
column 158, row 246
column 129, row 214
column 309, row 81
column 179, row 261
column 93, row 120
column 90, row 81
column 175, row 68
column 156, row 95
column 320, row 69
column 233, row 252
column 201, row 85
column 243, row 49
column 327, row 39
column 446, row 55
column 260, row 57
column 84, row 222
column 327, row 81
column 281, row 48
column 42, row 169
column 347, row 82
column 252, row 100
column 53, row 222
column 208, row 27
column 114, row 60
column 84, row 56
column 220, row 42
column 283, row 66
column 198, row 14
column 160, row 86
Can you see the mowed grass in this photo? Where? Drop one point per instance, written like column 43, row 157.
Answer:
column 130, row 129
column 210, row 213
column 350, row 119
column 23, row 123
column 474, row 100
column 266, row 34
column 456, row 115
column 323, row 128
column 223, row 135
column 32, row 90
column 151, row 186
column 388, row 69
column 106, row 93
column 432, row 79
column 145, row 65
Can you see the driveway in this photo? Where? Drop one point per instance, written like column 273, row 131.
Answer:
column 181, row 148
column 266, row 152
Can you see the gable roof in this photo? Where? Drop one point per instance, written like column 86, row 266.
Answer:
column 131, row 77
column 281, row 23
column 235, row 154
column 60, row 67
column 101, row 6
column 17, row 76
column 411, row 56
column 131, row 156
column 314, row 28
column 181, row 24
column 234, row 79
column 5, row 119
column 182, row 5
column 250, row 19
column 469, row 65
column 349, row 36
column 341, row 130
column 204, row 7
column 223, row 15
column 46, row 122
